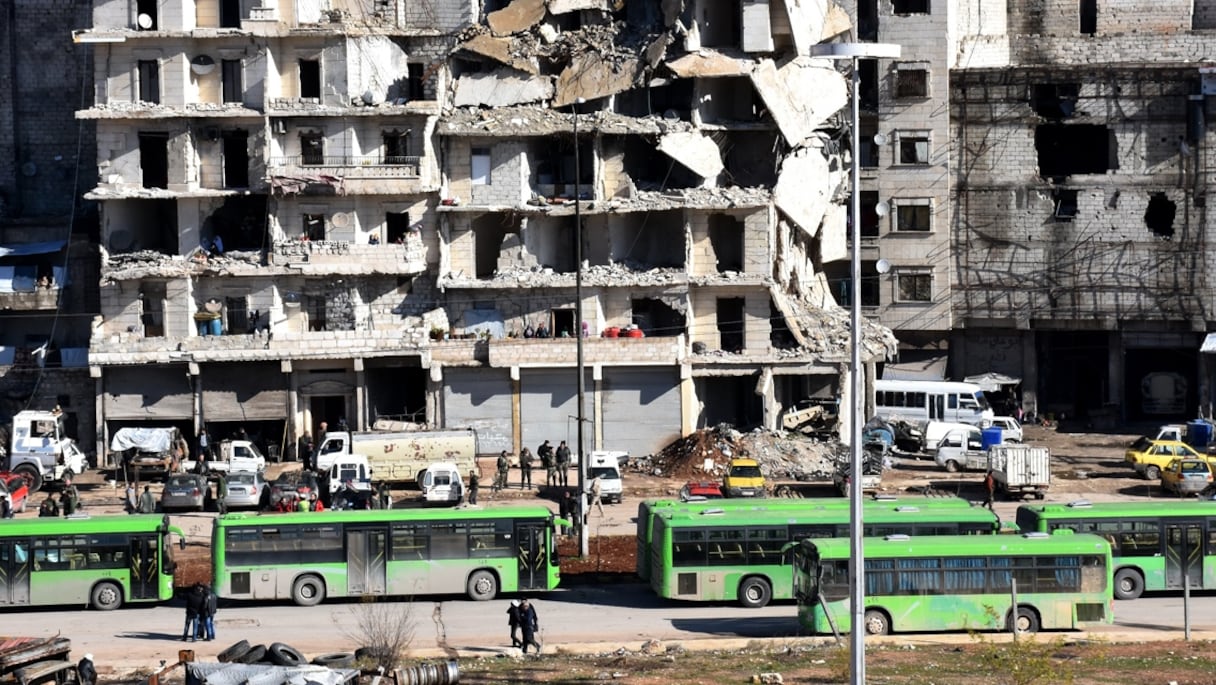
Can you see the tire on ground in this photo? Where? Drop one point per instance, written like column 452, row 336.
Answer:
column 253, row 656
column 285, row 655
column 335, row 660
column 236, row 651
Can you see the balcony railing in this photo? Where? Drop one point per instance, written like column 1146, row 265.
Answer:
column 366, row 166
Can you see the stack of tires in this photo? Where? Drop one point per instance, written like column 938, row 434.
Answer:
column 280, row 654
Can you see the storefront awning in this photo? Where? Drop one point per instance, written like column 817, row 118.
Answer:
column 992, row 381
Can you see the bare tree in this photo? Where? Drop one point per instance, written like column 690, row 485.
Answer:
column 384, row 631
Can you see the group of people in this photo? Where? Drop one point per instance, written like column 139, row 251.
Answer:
column 68, row 504
column 555, row 462
column 201, row 603
column 521, row 619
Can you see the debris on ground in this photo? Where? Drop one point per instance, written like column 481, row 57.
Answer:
column 706, row 453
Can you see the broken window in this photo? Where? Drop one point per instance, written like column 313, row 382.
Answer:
column 154, row 158
column 396, row 226
column 748, row 157
column 871, row 281
column 1159, row 216
column 867, row 21
column 149, row 80
column 914, row 148
column 911, row 83
column 672, row 100
column 1088, row 12
column 730, row 324
column 868, row 149
column 869, row 214
column 650, row 169
column 152, row 308
column 147, row 8
column 561, row 322
column 1065, row 204
column 726, row 238
column 312, row 148
column 1067, row 149
column 236, row 159
column 867, row 70
column 310, row 78
column 779, row 335
column 240, row 222
column 415, row 86
column 902, row 7
column 231, row 76
column 914, row 215
column 656, row 318
column 396, row 147
column 230, row 14
column 488, row 233
column 648, row 239
column 1055, row 100
column 914, row 286
column 314, row 309
column 314, row 226
column 237, row 311
column 480, row 166
column 555, row 172
column 727, row 99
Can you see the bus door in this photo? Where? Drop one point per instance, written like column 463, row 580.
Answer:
column 144, row 566
column 532, row 555
column 365, row 570
column 937, row 407
column 14, row 572
column 1183, row 553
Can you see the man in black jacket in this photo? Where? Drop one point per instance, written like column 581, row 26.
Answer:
column 196, row 604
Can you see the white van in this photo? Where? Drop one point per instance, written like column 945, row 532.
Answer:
column 607, row 466
column 933, row 432
column 441, row 484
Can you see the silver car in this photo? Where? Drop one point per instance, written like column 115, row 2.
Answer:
column 185, row 492
column 248, row 489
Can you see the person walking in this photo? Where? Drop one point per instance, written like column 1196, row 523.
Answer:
column 528, row 626
column 147, row 503
column 500, row 475
column 989, row 489
column 130, row 499
column 196, row 601
column 304, row 450
column 210, row 604
column 567, row 510
column 513, row 622
column 525, row 469
column 596, row 489
column 86, row 672
column 474, row 485
column 221, row 494
column 204, row 445
column 563, row 463
column 545, row 452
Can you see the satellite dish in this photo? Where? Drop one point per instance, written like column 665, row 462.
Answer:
column 340, row 219
column 882, row 208
column 144, row 21
column 882, row 266
column 202, row 64
column 880, row 139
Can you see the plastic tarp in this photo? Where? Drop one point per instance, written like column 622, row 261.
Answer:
column 26, row 249
column 992, row 381
column 143, row 439
column 266, row 674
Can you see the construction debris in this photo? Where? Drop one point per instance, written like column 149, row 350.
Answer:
column 706, row 454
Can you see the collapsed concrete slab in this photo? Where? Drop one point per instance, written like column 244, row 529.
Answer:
column 590, row 76
column 756, row 25
column 696, row 151
column 566, row 6
column 833, row 234
column 517, row 17
column 501, row 88
column 498, row 49
column 814, row 21
column 804, row 188
column 709, row 63
column 801, row 95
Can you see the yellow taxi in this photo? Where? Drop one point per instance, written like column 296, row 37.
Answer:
column 1149, row 460
column 1186, row 476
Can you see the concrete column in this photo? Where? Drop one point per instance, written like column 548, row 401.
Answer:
column 197, row 402
column 360, row 395
column 1030, row 373
column 597, row 407
column 293, row 402
column 690, row 405
column 100, row 435
column 434, row 396
column 517, row 432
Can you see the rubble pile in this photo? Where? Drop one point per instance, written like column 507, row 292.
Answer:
column 781, row 456
column 139, row 264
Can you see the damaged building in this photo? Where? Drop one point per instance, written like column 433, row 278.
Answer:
column 369, row 209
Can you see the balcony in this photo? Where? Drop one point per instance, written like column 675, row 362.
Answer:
column 356, row 175
column 38, row 299
column 562, row 351
column 342, row 257
column 122, row 349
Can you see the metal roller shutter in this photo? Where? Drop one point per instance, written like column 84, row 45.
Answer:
column 479, row 399
column 641, row 409
column 246, row 391
column 148, row 392
column 548, row 405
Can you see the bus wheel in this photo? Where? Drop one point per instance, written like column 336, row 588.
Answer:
column 307, row 591
column 482, row 586
column 952, row 466
column 754, row 593
column 106, row 596
column 1128, row 584
column 877, row 623
column 1152, row 473
column 1025, row 622
column 33, row 477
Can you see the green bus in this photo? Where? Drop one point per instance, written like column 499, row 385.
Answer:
column 1155, row 544
column 95, row 561
column 310, row 556
column 648, row 508
column 725, row 555
column 945, row 583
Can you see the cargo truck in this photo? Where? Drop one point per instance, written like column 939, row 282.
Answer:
column 401, row 456
column 1020, row 470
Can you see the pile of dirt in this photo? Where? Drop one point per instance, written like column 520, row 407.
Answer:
column 705, row 454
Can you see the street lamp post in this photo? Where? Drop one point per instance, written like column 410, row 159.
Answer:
column 855, row 52
column 584, row 543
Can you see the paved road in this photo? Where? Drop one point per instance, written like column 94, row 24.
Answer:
column 600, row 618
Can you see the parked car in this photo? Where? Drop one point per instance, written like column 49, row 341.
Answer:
column 744, row 479
column 293, row 485
column 1186, row 476
column 694, row 491
column 17, row 488
column 185, row 492
column 1152, row 458
column 1011, row 428
column 248, row 489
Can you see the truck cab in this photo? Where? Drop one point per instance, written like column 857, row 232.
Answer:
column 41, row 450
column 743, row 478
column 962, row 449
column 607, row 467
